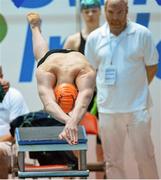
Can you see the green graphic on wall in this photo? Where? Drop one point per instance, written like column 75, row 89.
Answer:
column 3, row 28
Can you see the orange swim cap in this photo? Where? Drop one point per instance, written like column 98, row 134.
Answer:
column 66, row 95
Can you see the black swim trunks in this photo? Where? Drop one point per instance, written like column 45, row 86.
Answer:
column 51, row 52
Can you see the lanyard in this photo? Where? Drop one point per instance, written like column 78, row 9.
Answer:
column 113, row 49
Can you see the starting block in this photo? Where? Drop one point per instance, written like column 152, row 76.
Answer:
column 32, row 139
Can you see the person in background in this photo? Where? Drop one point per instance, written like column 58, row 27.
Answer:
column 90, row 11
column 125, row 57
column 12, row 105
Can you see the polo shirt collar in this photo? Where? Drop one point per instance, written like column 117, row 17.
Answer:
column 130, row 29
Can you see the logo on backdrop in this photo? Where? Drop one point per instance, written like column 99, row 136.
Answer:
column 27, row 67
column 3, row 29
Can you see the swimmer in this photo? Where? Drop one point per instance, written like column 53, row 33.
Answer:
column 65, row 81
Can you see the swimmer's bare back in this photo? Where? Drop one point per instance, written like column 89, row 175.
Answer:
column 67, row 67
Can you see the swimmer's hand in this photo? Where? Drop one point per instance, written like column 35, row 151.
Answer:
column 70, row 133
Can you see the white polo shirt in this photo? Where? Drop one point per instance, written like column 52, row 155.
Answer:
column 12, row 106
column 130, row 53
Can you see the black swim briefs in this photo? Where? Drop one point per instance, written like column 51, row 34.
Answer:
column 51, row 52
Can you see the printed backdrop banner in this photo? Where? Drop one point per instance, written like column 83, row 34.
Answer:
column 61, row 18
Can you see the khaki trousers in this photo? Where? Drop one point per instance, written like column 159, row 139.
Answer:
column 113, row 129
column 5, row 159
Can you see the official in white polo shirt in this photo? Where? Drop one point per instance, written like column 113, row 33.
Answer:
column 125, row 57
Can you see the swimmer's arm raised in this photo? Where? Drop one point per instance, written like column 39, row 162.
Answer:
column 46, row 83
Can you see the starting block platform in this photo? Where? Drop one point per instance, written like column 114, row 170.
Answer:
column 32, row 139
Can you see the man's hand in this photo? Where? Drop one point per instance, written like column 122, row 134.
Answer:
column 70, row 133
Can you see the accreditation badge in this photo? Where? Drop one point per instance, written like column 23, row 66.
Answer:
column 110, row 75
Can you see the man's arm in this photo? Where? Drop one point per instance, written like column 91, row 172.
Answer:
column 151, row 71
column 46, row 82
